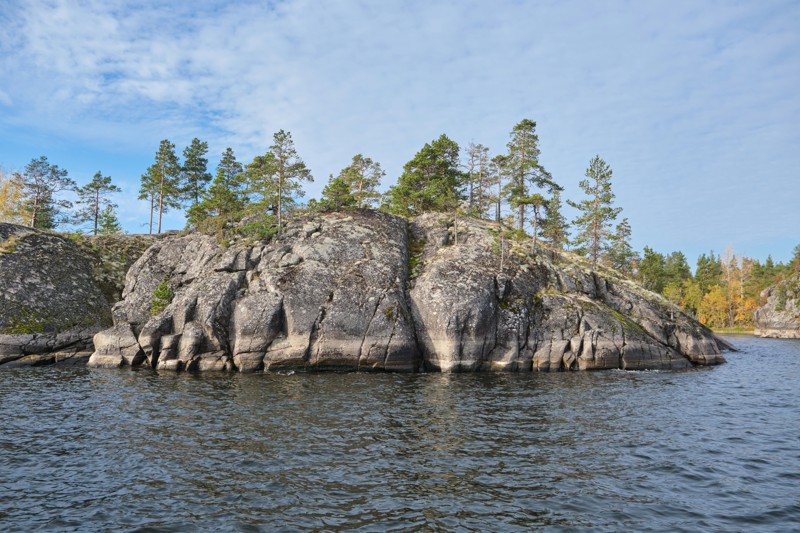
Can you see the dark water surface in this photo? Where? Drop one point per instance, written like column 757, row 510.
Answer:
column 706, row 449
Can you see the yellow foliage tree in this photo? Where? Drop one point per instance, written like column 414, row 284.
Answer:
column 12, row 205
column 713, row 311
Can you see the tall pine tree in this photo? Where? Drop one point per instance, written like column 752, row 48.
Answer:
column 40, row 183
column 276, row 177
column 596, row 212
column 194, row 173
column 94, row 197
column 524, row 169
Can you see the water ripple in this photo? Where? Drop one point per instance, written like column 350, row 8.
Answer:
column 707, row 449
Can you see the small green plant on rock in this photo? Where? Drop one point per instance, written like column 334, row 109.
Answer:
column 162, row 296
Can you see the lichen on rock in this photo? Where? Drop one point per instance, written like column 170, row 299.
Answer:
column 370, row 291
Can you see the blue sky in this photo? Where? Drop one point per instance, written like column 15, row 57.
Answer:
column 695, row 105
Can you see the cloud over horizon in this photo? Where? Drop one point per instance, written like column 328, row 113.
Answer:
column 693, row 105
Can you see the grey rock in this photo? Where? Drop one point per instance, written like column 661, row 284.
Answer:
column 335, row 291
column 57, row 292
column 779, row 316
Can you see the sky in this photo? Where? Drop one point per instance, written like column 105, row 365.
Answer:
column 694, row 105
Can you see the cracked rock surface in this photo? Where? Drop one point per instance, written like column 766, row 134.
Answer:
column 56, row 293
column 371, row 291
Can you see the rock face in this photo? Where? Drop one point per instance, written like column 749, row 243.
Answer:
column 367, row 290
column 52, row 296
column 780, row 315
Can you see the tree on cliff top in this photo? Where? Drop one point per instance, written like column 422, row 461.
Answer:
column 161, row 183
column 226, row 196
column 431, row 181
column 194, row 171
column 596, row 213
column 362, row 178
column 524, row 170
column 276, row 177
column 40, row 182
column 94, row 197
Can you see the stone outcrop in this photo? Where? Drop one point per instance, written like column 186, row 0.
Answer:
column 56, row 293
column 370, row 291
column 779, row 316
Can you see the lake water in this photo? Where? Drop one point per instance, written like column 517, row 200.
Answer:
column 706, row 449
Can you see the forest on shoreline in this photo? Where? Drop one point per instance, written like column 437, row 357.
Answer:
column 511, row 188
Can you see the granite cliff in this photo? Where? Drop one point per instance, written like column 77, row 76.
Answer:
column 779, row 316
column 56, row 292
column 371, row 291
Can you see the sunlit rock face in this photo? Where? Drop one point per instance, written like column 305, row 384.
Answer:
column 779, row 316
column 371, row 291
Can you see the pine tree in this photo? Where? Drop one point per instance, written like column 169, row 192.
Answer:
column 194, row 171
column 477, row 179
column 108, row 223
column 160, row 185
column 362, row 178
column 94, row 198
column 651, row 270
column 225, row 197
column 524, row 169
column 40, row 182
column 596, row 213
column 337, row 194
column 277, row 176
column 554, row 226
column 621, row 255
column 708, row 271
column 498, row 169
column 431, row 181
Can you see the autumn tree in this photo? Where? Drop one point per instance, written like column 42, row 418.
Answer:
column 431, row 181
column 94, row 197
column 524, row 170
column 361, row 178
column 276, row 177
column 596, row 212
column 12, row 205
column 194, row 172
column 40, row 183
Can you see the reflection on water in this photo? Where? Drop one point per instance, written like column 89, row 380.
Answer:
column 704, row 449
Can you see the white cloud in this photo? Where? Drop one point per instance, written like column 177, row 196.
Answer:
column 685, row 100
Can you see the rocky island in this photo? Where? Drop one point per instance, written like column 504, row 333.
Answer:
column 356, row 290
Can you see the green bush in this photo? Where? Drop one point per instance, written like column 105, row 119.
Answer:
column 162, row 296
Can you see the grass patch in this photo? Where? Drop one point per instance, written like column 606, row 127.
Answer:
column 739, row 330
